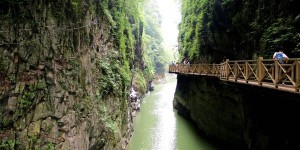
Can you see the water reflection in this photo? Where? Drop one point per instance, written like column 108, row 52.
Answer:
column 166, row 125
column 158, row 127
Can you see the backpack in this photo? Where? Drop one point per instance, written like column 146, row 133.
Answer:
column 279, row 55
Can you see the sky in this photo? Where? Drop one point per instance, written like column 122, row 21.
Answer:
column 171, row 17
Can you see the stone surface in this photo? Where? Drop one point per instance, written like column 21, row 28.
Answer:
column 238, row 115
column 53, row 81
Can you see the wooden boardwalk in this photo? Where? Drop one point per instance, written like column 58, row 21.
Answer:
column 266, row 73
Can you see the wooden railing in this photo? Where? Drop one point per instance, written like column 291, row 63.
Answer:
column 262, row 72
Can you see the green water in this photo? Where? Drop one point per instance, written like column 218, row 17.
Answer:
column 158, row 127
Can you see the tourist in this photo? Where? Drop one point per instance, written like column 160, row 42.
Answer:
column 280, row 56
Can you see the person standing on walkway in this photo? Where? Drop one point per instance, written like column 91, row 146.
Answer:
column 280, row 56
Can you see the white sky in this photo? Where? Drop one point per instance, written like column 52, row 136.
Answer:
column 171, row 16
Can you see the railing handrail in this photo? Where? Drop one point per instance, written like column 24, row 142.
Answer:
column 260, row 71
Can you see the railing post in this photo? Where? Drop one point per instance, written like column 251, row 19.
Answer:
column 276, row 72
column 213, row 69
column 227, row 69
column 247, row 71
column 260, row 70
column 221, row 70
column 297, row 79
column 236, row 71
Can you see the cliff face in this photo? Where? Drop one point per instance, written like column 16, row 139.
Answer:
column 65, row 74
column 212, row 29
column 239, row 116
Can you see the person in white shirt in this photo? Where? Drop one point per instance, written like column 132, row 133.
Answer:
column 280, row 56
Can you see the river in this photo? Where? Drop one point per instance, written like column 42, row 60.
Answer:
column 158, row 127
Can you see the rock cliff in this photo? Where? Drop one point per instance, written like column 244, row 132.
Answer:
column 65, row 73
column 239, row 116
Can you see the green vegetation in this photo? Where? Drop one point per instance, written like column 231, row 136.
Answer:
column 8, row 144
column 127, row 22
column 110, row 124
column 48, row 146
column 110, row 78
column 237, row 29
column 41, row 84
column 152, row 40
column 32, row 141
column 27, row 99
column 4, row 121
column 140, row 81
column 281, row 33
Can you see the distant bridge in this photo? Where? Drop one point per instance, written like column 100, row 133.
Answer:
column 267, row 73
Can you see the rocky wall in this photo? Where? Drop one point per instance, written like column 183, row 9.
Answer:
column 239, row 116
column 61, row 86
